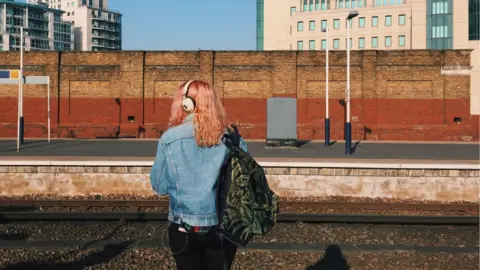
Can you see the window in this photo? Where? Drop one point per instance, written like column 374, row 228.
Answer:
column 336, row 24
column 311, row 5
column 293, row 10
column 361, row 43
column 324, row 24
column 300, row 45
column 312, row 45
column 474, row 20
column 375, row 21
column 401, row 19
column 317, row 4
column 361, row 22
column 374, row 42
column 388, row 41
column 299, row 26
column 401, row 40
column 439, row 24
column 324, row 44
column 312, row 25
column 388, row 20
column 336, row 43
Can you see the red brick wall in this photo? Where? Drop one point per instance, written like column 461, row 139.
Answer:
column 395, row 95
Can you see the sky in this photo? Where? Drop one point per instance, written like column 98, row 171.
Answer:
column 187, row 24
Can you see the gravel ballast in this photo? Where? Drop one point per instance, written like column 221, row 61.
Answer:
column 115, row 258
column 299, row 233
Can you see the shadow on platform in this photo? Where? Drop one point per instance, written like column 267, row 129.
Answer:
column 332, row 259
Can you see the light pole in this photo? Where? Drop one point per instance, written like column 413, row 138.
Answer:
column 327, row 118
column 348, row 125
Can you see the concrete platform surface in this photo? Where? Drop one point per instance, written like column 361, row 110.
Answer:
column 310, row 150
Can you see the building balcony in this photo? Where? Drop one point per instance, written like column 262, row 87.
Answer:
column 109, row 37
column 37, row 17
column 37, row 27
column 106, row 28
column 103, row 19
column 107, row 46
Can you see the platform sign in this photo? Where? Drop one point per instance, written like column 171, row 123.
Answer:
column 10, row 74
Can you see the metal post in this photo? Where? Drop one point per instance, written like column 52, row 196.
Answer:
column 327, row 117
column 48, row 108
column 22, row 123
column 348, row 125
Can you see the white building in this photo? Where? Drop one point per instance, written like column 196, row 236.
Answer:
column 96, row 27
column 43, row 27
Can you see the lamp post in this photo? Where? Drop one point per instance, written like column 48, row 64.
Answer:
column 348, row 125
column 327, row 118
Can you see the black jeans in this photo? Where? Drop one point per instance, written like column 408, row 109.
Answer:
column 194, row 251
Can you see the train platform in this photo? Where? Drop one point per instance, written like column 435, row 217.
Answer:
column 405, row 171
column 308, row 150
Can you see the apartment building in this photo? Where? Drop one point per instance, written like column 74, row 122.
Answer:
column 96, row 27
column 380, row 25
column 43, row 27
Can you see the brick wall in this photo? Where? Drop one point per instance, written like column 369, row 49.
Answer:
column 396, row 95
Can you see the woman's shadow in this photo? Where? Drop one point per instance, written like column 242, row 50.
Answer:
column 332, row 259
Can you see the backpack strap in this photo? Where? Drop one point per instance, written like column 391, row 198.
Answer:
column 232, row 138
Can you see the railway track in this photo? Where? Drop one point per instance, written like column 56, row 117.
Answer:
column 142, row 205
column 155, row 210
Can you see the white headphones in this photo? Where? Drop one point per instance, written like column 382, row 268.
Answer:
column 188, row 103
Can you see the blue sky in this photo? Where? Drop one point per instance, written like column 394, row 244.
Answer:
column 187, row 24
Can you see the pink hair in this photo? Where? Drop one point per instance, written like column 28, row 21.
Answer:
column 209, row 115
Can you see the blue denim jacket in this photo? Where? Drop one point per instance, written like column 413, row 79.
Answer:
column 188, row 173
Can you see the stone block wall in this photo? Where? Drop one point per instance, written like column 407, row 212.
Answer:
column 405, row 184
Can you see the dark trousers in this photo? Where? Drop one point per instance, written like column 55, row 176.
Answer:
column 194, row 251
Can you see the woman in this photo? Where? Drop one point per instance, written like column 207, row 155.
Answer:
column 189, row 156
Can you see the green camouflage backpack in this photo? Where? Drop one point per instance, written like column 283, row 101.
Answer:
column 246, row 205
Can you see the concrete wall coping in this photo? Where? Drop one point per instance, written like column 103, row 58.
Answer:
column 264, row 162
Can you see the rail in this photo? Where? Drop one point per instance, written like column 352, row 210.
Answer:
column 136, row 205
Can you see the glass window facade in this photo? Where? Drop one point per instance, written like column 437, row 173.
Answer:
column 474, row 19
column 439, row 24
column 260, row 25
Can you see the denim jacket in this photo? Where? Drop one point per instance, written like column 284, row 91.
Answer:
column 188, row 174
